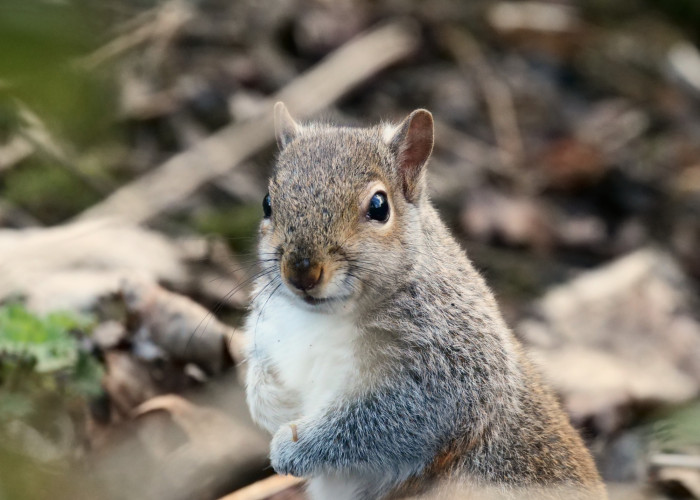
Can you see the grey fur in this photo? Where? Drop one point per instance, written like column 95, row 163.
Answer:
column 447, row 392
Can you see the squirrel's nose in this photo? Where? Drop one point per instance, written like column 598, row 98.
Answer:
column 304, row 275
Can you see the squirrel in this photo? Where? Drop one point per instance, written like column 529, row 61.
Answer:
column 377, row 356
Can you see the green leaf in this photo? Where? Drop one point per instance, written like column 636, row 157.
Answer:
column 87, row 376
column 678, row 429
column 46, row 341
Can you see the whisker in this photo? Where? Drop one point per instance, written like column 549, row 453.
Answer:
column 260, row 312
column 252, row 264
column 220, row 303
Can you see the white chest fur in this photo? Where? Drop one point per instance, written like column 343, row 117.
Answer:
column 312, row 352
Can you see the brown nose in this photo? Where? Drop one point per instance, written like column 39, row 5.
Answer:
column 304, row 275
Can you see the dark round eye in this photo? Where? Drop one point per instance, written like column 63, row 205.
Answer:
column 267, row 208
column 378, row 207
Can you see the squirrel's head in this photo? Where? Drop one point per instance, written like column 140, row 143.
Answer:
column 341, row 206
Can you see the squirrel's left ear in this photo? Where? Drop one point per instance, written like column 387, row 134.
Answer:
column 286, row 129
column 412, row 143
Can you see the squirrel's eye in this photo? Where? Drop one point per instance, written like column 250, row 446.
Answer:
column 267, row 208
column 378, row 207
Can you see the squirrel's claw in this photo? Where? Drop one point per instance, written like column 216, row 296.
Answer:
column 285, row 451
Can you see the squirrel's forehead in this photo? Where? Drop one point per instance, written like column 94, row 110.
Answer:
column 322, row 188
column 326, row 168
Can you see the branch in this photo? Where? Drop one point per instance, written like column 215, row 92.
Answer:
column 266, row 488
column 174, row 180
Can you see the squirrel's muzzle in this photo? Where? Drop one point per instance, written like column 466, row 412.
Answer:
column 303, row 274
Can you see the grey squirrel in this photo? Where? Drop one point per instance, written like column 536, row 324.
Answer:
column 377, row 356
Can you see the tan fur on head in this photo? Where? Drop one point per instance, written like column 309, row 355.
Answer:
column 325, row 221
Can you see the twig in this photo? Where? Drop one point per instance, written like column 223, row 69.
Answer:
column 178, row 177
column 497, row 95
column 684, row 62
column 41, row 141
column 264, row 489
column 537, row 16
column 34, row 137
column 16, row 150
column 675, row 460
column 37, row 134
column 168, row 19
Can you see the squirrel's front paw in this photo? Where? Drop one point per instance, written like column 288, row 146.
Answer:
column 285, row 452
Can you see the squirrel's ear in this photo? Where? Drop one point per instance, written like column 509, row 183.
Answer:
column 286, row 128
column 412, row 143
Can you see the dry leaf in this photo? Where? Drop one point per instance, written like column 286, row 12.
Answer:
column 620, row 335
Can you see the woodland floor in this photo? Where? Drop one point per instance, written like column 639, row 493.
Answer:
column 135, row 141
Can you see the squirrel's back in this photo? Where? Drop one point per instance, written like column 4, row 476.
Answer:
column 511, row 431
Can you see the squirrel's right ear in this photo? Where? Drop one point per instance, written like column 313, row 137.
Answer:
column 286, row 129
column 412, row 143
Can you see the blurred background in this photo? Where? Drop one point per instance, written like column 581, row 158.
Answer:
column 135, row 141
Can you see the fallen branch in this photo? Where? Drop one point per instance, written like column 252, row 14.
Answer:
column 264, row 489
column 178, row 177
column 675, row 460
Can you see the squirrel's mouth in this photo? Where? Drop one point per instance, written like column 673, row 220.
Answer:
column 317, row 301
column 321, row 301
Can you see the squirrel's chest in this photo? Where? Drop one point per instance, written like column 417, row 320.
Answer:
column 313, row 353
